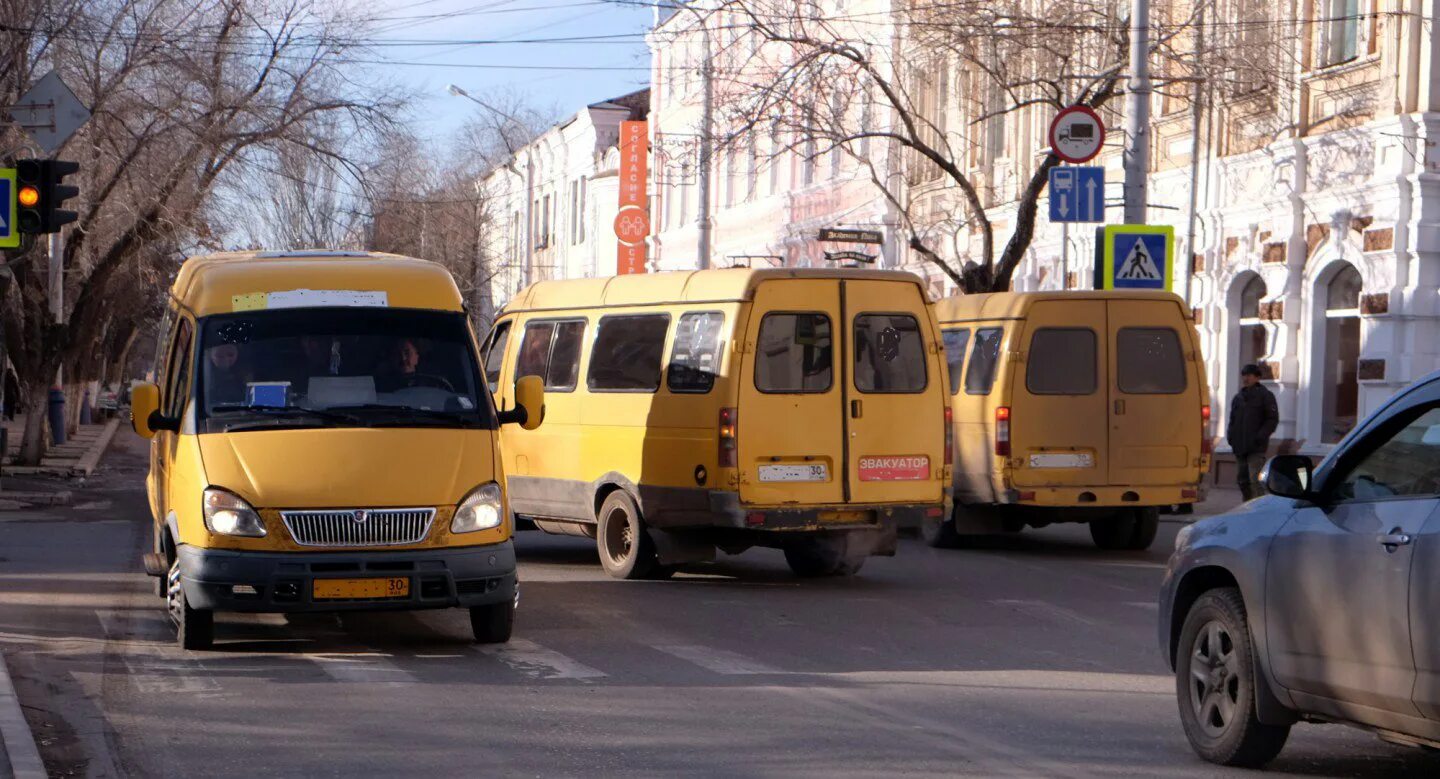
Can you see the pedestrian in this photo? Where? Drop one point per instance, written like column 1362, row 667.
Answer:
column 1253, row 419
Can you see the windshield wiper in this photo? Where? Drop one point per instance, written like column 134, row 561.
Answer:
column 290, row 412
column 410, row 413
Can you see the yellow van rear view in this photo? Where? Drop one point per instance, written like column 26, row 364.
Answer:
column 1072, row 407
column 690, row 411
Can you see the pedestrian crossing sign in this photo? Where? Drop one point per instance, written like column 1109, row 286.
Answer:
column 1138, row 257
column 9, row 231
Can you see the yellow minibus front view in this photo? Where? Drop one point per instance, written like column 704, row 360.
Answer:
column 322, row 440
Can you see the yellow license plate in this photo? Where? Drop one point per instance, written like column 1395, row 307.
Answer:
column 366, row 589
column 845, row 516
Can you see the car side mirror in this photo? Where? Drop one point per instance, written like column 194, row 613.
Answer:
column 144, row 403
column 529, row 409
column 1289, row 476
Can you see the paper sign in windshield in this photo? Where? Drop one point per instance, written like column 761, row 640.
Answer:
column 310, row 298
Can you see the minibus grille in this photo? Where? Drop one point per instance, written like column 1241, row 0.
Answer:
column 358, row 527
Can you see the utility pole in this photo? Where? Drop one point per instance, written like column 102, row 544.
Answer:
column 1137, row 114
column 707, row 110
column 57, row 310
column 1196, row 112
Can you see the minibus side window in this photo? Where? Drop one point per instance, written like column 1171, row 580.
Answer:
column 495, row 355
column 1061, row 362
column 889, row 354
column 984, row 358
column 179, row 370
column 955, row 343
column 627, row 353
column 1149, row 361
column 564, row 368
column 695, row 358
column 794, row 354
column 534, row 350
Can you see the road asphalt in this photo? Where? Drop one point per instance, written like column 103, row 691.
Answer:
column 1033, row 656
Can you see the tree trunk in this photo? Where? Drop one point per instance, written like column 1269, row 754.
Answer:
column 34, row 442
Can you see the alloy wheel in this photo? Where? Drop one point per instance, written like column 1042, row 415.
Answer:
column 1215, row 679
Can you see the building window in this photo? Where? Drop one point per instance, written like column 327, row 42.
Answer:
column 807, row 165
column 752, row 164
column 1254, row 340
column 545, row 223
column 1342, row 354
column 580, row 212
column 1342, row 31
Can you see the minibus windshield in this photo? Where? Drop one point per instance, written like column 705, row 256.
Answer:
column 338, row 367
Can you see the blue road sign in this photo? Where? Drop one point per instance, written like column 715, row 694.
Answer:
column 1077, row 194
column 1137, row 257
column 9, row 231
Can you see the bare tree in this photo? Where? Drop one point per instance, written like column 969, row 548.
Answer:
column 184, row 95
column 928, row 95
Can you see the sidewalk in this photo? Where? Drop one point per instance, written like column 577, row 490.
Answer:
column 49, row 483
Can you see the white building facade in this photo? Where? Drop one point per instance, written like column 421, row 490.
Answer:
column 553, row 203
column 1316, row 236
column 771, row 189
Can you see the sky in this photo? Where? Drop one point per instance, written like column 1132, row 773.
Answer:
column 433, row 43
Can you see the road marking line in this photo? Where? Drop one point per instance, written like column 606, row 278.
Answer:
column 362, row 668
column 1049, row 611
column 153, row 664
column 716, row 660
column 538, row 662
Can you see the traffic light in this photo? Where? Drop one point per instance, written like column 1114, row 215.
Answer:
column 41, row 192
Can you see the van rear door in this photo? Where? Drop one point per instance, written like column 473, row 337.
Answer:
column 791, row 422
column 1059, row 398
column 1155, row 395
column 895, row 404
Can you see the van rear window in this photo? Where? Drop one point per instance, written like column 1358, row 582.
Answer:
column 984, row 358
column 1061, row 362
column 1149, row 361
column 794, row 353
column 955, row 343
column 627, row 353
column 889, row 354
column 695, row 357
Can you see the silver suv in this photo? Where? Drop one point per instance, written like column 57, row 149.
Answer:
column 1315, row 603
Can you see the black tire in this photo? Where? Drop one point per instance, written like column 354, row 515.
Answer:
column 823, row 556
column 1215, row 678
column 494, row 623
column 626, row 551
column 194, row 628
column 1131, row 530
column 1147, row 524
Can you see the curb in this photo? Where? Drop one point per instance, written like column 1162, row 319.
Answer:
column 16, row 741
column 91, row 459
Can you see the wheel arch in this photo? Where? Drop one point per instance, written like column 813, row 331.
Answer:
column 612, row 482
column 1200, row 580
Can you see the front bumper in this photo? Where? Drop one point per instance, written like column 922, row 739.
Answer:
column 284, row 582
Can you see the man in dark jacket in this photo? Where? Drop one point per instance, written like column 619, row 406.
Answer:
column 1253, row 419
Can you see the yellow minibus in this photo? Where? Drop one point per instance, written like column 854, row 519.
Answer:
column 322, row 440
column 796, row 409
column 1072, row 407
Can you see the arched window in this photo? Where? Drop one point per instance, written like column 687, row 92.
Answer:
column 1254, row 340
column 1342, row 353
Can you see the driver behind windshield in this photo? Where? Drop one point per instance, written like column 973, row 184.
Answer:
column 225, row 379
column 403, row 370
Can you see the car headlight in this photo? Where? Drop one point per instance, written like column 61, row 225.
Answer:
column 228, row 514
column 480, row 510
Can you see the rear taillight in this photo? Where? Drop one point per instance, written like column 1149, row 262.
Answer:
column 1002, row 431
column 949, row 436
column 729, row 438
column 1207, row 444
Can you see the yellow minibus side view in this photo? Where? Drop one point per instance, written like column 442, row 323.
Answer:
column 690, row 411
column 1072, row 407
column 322, row 440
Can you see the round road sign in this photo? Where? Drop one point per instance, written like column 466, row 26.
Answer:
column 1077, row 134
column 632, row 224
